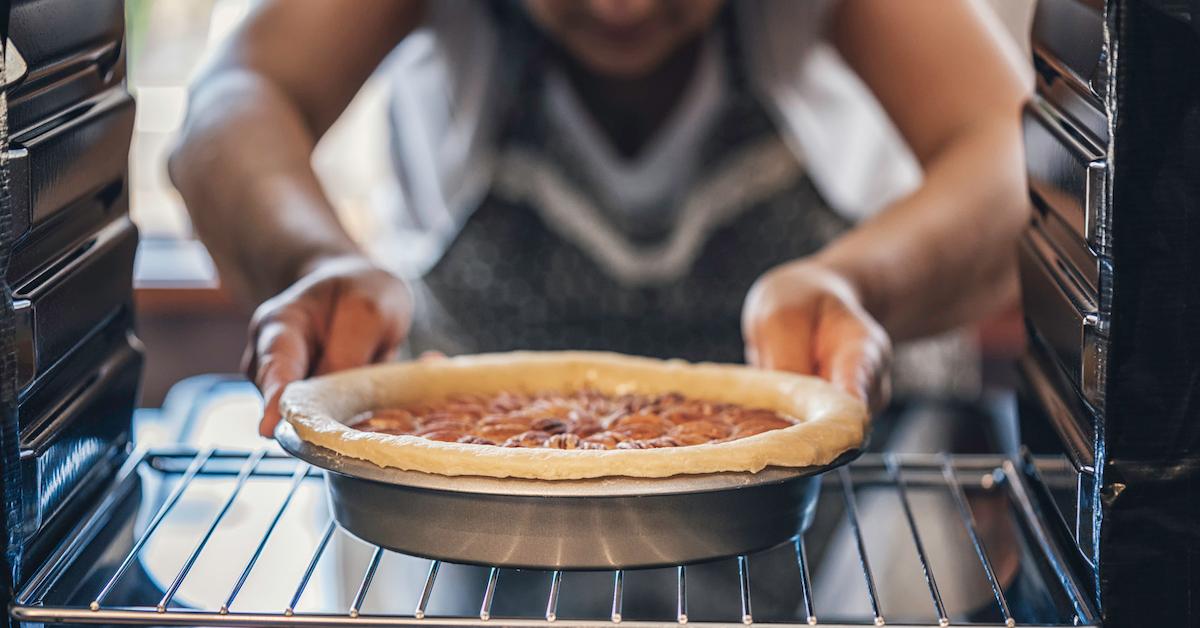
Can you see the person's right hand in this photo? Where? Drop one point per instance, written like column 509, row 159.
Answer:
column 807, row 318
column 341, row 313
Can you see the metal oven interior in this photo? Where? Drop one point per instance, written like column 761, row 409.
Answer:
column 1099, row 508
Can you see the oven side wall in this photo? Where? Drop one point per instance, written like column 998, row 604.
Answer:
column 1149, row 456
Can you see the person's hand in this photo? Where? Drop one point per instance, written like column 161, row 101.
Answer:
column 341, row 313
column 806, row 318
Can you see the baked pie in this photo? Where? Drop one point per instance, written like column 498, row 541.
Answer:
column 583, row 419
column 574, row 415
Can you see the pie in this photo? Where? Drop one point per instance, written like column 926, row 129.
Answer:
column 575, row 415
column 583, row 419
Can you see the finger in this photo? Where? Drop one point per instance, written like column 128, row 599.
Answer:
column 249, row 362
column 750, row 331
column 431, row 356
column 355, row 334
column 283, row 355
column 752, row 357
column 267, row 312
column 850, row 370
column 785, row 344
column 389, row 348
column 386, row 353
column 859, row 368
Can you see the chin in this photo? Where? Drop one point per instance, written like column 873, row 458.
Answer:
column 624, row 64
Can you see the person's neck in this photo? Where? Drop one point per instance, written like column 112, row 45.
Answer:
column 630, row 110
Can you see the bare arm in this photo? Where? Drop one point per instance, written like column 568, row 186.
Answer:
column 243, row 168
column 954, row 86
column 940, row 257
column 243, row 165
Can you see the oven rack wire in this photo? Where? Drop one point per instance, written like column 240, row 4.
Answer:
column 899, row 472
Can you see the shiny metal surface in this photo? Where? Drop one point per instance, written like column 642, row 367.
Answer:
column 1085, row 112
column 1070, row 35
column 964, row 510
column 893, row 467
column 1016, row 473
column 599, row 487
column 53, row 317
column 1064, row 314
column 70, row 266
column 630, row 522
column 309, row 561
column 1067, row 170
column 1067, row 414
column 72, row 156
column 74, row 429
column 1066, row 258
column 1079, row 259
column 864, row 562
column 73, row 51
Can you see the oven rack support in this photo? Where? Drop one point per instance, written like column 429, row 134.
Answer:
column 900, row 474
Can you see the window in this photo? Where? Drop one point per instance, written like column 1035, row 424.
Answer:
column 168, row 43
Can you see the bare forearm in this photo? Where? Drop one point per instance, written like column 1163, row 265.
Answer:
column 243, row 168
column 944, row 255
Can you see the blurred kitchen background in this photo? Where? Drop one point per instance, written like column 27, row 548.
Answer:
column 188, row 324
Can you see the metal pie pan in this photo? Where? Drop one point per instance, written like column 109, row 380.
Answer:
column 602, row 523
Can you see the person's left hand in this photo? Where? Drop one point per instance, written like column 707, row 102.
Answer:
column 806, row 318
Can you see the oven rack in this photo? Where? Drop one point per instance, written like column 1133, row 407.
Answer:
column 41, row 599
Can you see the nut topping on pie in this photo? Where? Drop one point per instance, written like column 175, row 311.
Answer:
column 587, row 419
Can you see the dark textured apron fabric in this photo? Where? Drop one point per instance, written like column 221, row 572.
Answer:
column 509, row 282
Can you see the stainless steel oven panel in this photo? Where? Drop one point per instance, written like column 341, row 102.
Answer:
column 1067, row 170
column 71, row 227
column 1088, row 115
column 55, row 36
column 1057, row 403
column 78, row 153
column 1070, row 35
column 1064, row 313
column 76, row 294
column 71, row 51
column 74, row 437
column 1083, row 260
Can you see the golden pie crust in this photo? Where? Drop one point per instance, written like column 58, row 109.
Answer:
column 829, row 421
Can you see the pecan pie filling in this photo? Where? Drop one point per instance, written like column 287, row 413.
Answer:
column 586, row 419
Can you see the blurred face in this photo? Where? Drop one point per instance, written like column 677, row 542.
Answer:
column 622, row 38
